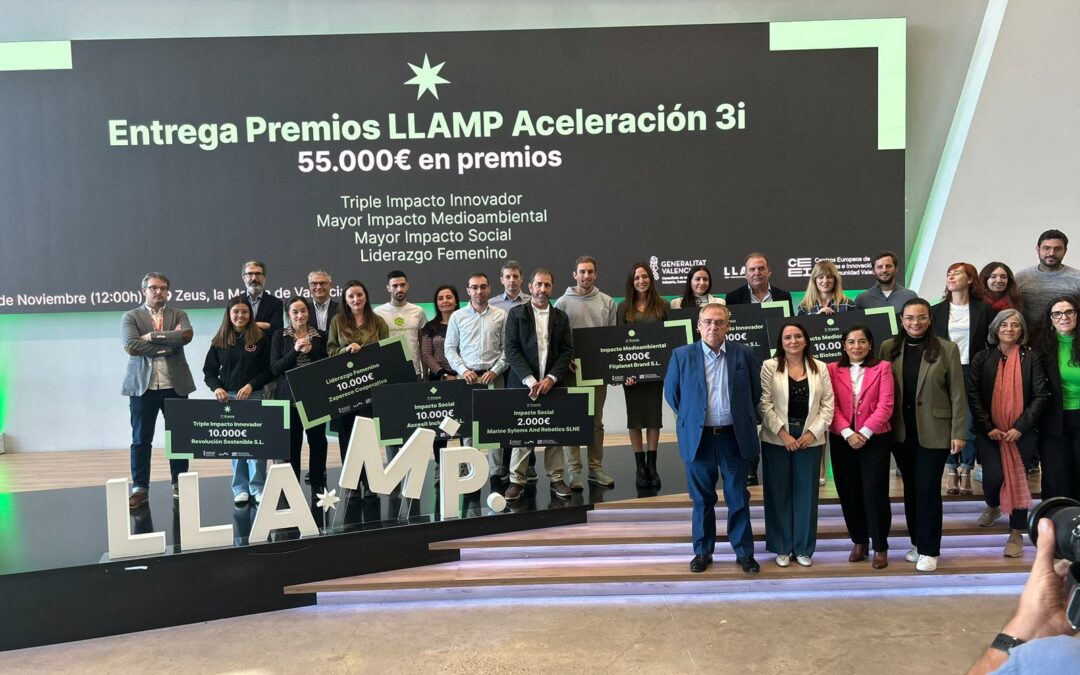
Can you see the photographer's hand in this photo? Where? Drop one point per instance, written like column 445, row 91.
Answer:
column 1041, row 612
column 1042, row 604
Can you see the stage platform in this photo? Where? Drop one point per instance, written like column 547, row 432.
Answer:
column 54, row 552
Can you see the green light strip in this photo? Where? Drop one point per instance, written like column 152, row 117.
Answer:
column 955, row 141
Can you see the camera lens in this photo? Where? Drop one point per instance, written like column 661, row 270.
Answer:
column 1065, row 514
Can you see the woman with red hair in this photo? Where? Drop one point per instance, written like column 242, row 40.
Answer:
column 964, row 318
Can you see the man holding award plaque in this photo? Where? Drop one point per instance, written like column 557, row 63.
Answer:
column 539, row 348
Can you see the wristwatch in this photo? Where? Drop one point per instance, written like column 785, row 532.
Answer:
column 1005, row 642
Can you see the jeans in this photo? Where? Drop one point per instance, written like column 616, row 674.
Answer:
column 144, row 411
column 719, row 455
column 248, row 475
column 966, row 457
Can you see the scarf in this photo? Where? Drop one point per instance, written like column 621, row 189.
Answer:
column 1005, row 408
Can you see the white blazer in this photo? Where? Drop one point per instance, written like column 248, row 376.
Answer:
column 773, row 408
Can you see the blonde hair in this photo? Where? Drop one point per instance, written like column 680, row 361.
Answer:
column 813, row 297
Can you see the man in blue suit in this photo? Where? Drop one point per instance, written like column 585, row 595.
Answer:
column 714, row 387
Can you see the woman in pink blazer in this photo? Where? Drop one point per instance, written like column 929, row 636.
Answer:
column 863, row 391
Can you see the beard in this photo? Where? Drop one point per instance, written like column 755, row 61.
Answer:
column 254, row 288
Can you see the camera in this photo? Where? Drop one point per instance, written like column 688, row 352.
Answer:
column 1065, row 514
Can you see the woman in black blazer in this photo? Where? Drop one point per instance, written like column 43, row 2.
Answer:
column 296, row 345
column 963, row 318
column 1007, row 394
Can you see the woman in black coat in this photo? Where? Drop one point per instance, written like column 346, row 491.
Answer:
column 964, row 318
column 1006, row 439
column 296, row 345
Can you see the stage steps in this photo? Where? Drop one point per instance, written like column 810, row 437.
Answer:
column 628, row 549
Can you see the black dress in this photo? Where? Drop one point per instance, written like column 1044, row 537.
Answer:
column 644, row 400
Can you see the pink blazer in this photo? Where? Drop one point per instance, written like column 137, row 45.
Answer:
column 875, row 398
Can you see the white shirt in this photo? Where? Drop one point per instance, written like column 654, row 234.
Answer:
column 406, row 320
column 321, row 314
column 960, row 329
column 540, row 317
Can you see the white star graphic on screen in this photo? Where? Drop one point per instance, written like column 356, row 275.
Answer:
column 228, row 409
column 327, row 500
column 427, row 78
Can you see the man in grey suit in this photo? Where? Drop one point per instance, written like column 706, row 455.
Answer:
column 154, row 337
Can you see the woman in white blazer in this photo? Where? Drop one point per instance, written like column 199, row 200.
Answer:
column 796, row 409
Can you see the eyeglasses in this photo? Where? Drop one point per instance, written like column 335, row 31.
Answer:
column 158, row 289
column 254, row 274
column 1069, row 313
column 719, row 323
column 916, row 319
column 481, row 287
column 318, row 283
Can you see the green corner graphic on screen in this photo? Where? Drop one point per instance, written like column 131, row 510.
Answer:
column 888, row 36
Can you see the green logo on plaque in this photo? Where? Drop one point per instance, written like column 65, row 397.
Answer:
column 228, row 409
column 348, row 364
column 831, row 322
column 631, row 333
column 434, row 390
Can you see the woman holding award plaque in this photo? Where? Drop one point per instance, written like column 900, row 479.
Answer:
column 355, row 326
column 297, row 345
column 432, row 352
column 237, row 367
column 643, row 399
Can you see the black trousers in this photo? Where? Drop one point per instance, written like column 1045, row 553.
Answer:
column 994, row 477
column 1060, row 456
column 316, row 437
column 921, row 470
column 862, row 482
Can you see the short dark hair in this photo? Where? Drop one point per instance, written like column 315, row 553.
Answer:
column 480, row 274
column 511, row 265
column 1053, row 234
column 394, row 274
column 541, row 270
column 757, row 254
column 154, row 275
column 886, row 254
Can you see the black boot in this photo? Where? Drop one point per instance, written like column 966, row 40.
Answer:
column 643, row 480
column 650, row 464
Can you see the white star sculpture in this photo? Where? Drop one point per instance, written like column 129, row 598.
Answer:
column 327, row 500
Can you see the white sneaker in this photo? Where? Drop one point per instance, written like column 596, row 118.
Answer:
column 258, row 498
column 783, row 560
column 241, row 498
column 804, row 560
column 912, row 555
column 927, row 563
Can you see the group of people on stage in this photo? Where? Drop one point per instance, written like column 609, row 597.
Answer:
column 991, row 372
